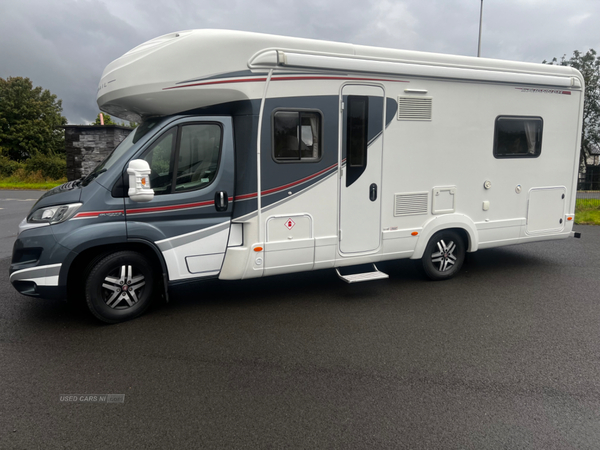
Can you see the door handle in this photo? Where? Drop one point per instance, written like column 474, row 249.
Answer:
column 373, row 192
column 221, row 201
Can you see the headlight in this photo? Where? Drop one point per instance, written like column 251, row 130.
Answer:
column 54, row 214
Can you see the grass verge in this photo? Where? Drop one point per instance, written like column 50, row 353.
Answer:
column 587, row 211
column 587, row 216
column 33, row 180
column 33, row 186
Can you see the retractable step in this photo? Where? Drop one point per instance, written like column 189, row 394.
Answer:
column 376, row 274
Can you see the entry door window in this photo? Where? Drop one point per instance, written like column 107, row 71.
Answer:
column 356, row 136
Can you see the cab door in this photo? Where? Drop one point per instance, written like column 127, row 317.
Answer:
column 360, row 159
column 192, row 175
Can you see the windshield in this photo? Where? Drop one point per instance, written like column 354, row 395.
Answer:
column 121, row 149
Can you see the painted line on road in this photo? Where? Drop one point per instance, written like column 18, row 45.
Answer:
column 19, row 199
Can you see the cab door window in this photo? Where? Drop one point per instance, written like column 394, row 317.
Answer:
column 159, row 157
column 198, row 158
column 184, row 158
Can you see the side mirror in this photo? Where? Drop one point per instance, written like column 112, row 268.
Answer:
column 139, row 181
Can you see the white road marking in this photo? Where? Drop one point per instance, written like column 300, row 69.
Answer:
column 19, row 199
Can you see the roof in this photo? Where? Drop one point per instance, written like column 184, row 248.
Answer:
column 147, row 80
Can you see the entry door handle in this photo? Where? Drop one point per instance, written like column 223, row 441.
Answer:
column 373, row 192
column 221, row 201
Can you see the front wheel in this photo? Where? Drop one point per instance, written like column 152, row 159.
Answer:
column 119, row 286
column 444, row 255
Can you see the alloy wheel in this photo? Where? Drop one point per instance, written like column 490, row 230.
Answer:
column 123, row 289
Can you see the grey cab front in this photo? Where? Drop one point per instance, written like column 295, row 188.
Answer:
column 157, row 210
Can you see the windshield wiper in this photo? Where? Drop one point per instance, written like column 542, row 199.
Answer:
column 87, row 180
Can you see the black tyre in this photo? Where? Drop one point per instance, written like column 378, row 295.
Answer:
column 119, row 286
column 444, row 255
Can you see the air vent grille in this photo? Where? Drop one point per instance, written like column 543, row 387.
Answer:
column 414, row 108
column 410, row 204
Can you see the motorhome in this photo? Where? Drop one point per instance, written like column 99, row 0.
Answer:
column 260, row 155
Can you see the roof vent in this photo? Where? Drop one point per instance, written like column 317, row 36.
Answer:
column 412, row 108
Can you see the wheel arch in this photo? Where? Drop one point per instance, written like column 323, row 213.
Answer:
column 82, row 260
column 456, row 222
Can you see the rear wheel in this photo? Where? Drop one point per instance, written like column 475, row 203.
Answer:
column 119, row 286
column 444, row 255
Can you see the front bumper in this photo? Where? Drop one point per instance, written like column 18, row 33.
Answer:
column 36, row 264
column 39, row 281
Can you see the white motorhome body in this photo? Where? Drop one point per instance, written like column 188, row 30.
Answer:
column 438, row 156
column 260, row 155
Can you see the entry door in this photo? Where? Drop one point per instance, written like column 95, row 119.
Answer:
column 360, row 159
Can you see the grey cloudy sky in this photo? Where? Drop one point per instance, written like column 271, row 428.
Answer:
column 64, row 45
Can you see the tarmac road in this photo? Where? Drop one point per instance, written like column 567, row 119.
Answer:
column 506, row 355
column 14, row 206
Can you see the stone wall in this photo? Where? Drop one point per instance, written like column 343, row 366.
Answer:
column 87, row 146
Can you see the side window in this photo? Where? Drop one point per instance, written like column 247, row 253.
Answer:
column 187, row 155
column 160, row 161
column 518, row 137
column 198, row 157
column 297, row 136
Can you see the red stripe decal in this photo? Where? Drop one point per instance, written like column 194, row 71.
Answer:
column 334, row 78
column 206, row 203
column 303, row 180
column 245, row 196
column 169, row 208
column 246, row 80
column 284, row 78
column 286, row 186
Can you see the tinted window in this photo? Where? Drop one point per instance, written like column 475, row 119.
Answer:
column 518, row 137
column 357, row 130
column 198, row 158
column 190, row 152
column 357, row 125
column 160, row 161
column 296, row 136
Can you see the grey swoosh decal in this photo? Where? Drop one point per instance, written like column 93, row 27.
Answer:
column 188, row 238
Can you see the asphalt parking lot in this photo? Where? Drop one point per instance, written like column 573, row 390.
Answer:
column 506, row 355
column 14, row 206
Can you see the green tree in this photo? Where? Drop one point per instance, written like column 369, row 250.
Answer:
column 109, row 121
column 30, row 120
column 589, row 66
